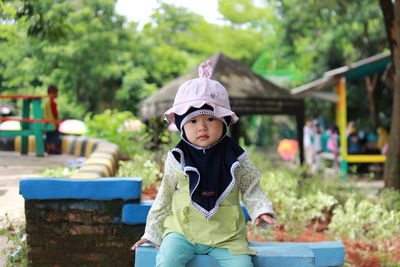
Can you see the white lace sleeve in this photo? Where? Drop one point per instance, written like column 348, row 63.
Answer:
column 254, row 198
column 161, row 207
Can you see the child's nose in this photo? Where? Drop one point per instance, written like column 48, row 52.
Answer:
column 202, row 125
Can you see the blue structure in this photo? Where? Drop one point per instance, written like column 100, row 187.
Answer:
column 59, row 196
column 95, row 189
column 269, row 254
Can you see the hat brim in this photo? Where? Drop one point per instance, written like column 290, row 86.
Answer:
column 180, row 109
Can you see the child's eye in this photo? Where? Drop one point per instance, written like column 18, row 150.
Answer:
column 210, row 119
column 192, row 121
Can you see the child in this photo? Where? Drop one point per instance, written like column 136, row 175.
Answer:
column 197, row 208
column 51, row 113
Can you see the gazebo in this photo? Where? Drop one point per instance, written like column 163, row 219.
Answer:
column 249, row 93
column 336, row 79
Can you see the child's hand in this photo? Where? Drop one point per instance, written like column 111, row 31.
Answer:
column 142, row 241
column 268, row 219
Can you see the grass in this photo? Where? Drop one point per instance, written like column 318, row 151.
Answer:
column 15, row 249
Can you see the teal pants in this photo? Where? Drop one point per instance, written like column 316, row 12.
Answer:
column 176, row 251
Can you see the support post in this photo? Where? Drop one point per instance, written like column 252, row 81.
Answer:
column 341, row 120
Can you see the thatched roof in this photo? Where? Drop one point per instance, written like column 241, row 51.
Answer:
column 249, row 93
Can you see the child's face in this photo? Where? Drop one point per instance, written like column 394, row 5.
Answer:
column 203, row 130
column 53, row 93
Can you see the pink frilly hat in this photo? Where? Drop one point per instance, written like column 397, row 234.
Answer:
column 198, row 92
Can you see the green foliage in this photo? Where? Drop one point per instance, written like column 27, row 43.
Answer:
column 16, row 253
column 131, row 135
column 87, row 59
column 120, row 128
column 133, row 89
column 357, row 213
column 141, row 165
column 333, row 185
column 59, row 172
column 240, row 11
column 295, row 212
column 364, row 221
column 390, row 199
column 6, row 224
column 99, row 62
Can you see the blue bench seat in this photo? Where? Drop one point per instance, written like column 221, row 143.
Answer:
column 269, row 254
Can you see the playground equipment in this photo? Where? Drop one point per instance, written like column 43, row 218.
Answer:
column 31, row 125
column 337, row 78
column 72, row 126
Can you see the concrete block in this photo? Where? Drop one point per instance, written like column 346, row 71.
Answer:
column 272, row 255
column 136, row 213
column 95, row 189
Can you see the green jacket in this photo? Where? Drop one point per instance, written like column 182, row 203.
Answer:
column 172, row 210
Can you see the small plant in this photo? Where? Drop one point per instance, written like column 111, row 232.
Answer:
column 16, row 254
column 295, row 212
column 59, row 172
column 6, row 224
column 365, row 221
column 141, row 165
column 119, row 127
column 390, row 199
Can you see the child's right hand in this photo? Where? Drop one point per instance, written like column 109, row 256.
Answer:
column 142, row 241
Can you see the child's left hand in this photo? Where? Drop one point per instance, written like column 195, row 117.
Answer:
column 268, row 219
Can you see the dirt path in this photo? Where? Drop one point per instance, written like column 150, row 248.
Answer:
column 13, row 168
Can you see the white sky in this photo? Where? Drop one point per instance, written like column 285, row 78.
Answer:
column 140, row 10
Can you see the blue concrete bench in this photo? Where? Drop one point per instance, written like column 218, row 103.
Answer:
column 271, row 254
column 96, row 189
column 77, row 222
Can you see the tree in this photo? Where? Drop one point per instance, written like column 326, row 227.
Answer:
column 91, row 59
column 391, row 14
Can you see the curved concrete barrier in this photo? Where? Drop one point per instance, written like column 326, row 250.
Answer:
column 102, row 156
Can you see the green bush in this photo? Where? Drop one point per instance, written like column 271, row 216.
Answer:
column 120, row 128
column 294, row 212
column 60, row 172
column 141, row 165
column 364, row 221
column 358, row 213
column 390, row 199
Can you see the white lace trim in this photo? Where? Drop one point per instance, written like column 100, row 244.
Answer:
column 243, row 156
column 181, row 163
column 224, row 194
column 198, row 178
column 200, row 112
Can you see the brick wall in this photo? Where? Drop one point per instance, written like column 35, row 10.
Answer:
column 72, row 222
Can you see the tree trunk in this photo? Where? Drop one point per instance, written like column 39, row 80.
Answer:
column 392, row 164
column 370, row 83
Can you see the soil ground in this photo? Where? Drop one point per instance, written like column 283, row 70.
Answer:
column 13, row 168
